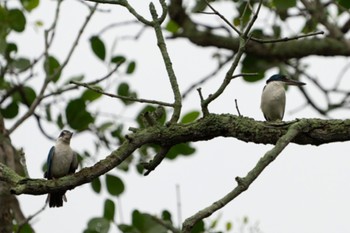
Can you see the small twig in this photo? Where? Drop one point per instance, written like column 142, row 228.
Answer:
column 29, row 218
column 239, row 113
column 122, row 97
column 158, row 158
column 39, row 98
column 140, row 18
column 244, row 38
column 226, row 81
column 245, row 182
column 263, row 41
column 168, row 65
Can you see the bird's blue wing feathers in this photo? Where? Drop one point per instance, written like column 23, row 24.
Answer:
column 48, row 174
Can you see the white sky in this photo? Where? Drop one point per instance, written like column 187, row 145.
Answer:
column 305, row 190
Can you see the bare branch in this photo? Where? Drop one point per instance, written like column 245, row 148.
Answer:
column 121, row 97
column 245, row 182
column 39, row 98
column 168, row 65
column 150, row 166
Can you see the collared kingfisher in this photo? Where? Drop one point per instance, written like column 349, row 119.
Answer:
column 273, row 98
column 61, row 161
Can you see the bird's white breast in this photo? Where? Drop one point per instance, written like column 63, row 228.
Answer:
column 273, row 101
column 61, row 160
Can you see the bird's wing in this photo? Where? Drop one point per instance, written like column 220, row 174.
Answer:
column 48, row 174
column 74, row 164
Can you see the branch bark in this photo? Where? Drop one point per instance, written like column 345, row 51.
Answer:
column 296, row 48
column 317, row 132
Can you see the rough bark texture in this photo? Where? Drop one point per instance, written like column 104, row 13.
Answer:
column 317, row 132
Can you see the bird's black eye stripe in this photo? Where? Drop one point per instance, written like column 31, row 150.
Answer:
column 64, row 132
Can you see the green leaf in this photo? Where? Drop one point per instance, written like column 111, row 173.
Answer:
column 52, row 68
column 244, row 15
column 26, row 95
column 48, row 112
column 115, row 185
column 96, row 185
column 200, row 6
column 117, row 133
column 118, row 59
column 77, row 116
column 344, row 3
column 131, row 67
column 124, row 90
column 198, row 227
column 145, row 224
column 190, row 117
column 10, row 49
column 251, row 64
column 109, row 210
column 99, row 225
column 127, row 228
column 10, row 111
column 228, row 226
column 98, row 47
column 283, row 4
column 166, row 216
column 59, row 121
column 21, row 64
column 90, row 95
column 172, row 26
column 26, row 228
column 16, row 20
column 180, row 149
column 29, row 5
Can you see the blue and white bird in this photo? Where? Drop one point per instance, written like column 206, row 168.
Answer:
column 61, row 161
column 273, row 98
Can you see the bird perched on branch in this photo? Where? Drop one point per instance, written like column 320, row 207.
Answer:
column 273, row 98
column 61, row 161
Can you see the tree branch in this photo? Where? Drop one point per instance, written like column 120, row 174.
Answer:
column 168, row 65
column 121, row 97
column 245, row 182
column 39, row 98
column 246, row 129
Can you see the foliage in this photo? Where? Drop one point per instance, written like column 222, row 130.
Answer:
column 20, row 99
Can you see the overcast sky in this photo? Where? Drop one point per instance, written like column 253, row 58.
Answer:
column 305, row 190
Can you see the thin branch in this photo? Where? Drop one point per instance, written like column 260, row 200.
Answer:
column 245, row 182
column 121, row 97
column 140, row 18
column 29, row 218
column 39, row 98
column 168, row 65
column 244, row 38
column 263, row 41
column 150, row 166
column 226, row 82
column 236, row 104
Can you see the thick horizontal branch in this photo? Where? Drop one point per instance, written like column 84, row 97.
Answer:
column 294, row 47
column 317, row 132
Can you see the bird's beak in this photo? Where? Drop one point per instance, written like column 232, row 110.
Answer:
column 293, row 82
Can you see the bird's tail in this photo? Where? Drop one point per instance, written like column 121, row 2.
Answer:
column 56, row 199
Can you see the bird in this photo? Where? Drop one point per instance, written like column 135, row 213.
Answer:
column 273, row 98
column 61, row 161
